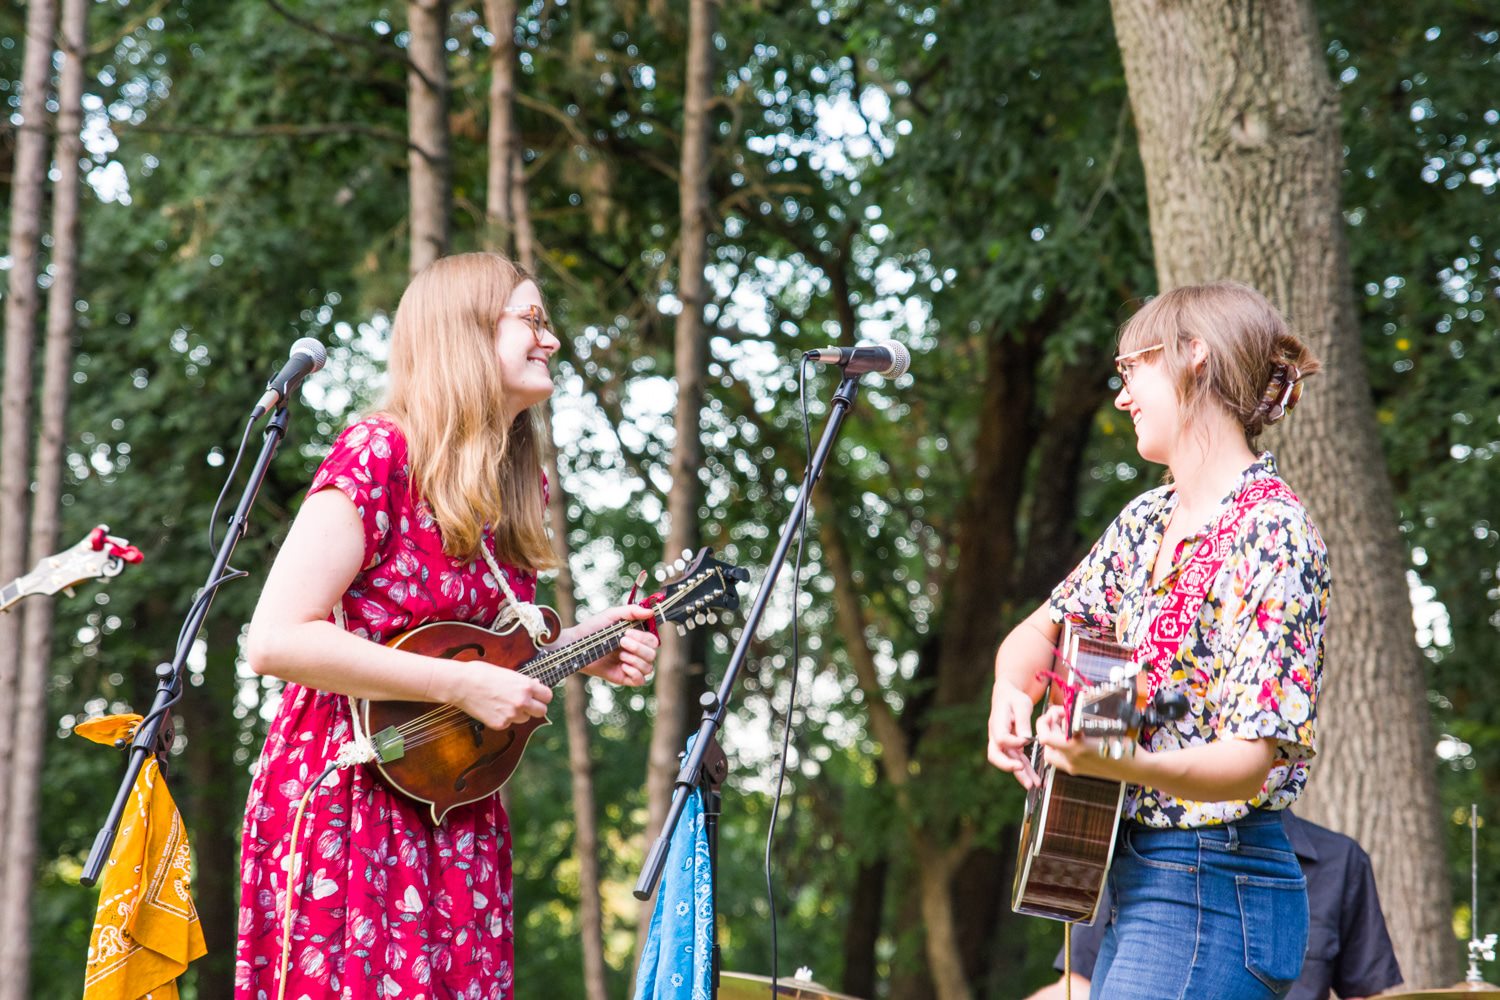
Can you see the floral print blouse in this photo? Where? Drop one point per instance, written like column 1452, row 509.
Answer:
column 1252, row 663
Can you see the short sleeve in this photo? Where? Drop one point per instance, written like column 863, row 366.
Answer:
column 365, row 463
column 1275, row 671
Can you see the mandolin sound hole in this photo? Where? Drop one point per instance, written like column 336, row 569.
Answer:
column 461, row 782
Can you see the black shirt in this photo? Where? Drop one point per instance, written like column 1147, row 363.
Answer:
column 1348, row 948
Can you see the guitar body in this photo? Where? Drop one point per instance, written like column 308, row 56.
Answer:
column 453, row 760
column 1068, row 830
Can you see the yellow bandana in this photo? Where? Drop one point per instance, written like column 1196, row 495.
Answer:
column 146, row 931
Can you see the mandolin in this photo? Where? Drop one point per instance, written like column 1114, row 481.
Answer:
column 1068, row 828
column 97, row 556
column 440, row 756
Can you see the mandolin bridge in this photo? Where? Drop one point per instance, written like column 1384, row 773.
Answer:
column 389, row 745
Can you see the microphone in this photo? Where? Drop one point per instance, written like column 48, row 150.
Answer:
column 307, row 356
column 887, row 359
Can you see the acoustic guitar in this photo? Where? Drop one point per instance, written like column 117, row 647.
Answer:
column 1068, row 830
column 442, row 757
column 97, row 556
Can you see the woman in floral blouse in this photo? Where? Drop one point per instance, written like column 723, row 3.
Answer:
column 430, row 510
column 1209, row 898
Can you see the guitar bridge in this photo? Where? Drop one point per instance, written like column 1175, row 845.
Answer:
column 389, row 745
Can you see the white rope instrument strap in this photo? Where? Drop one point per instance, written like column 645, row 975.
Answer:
column 360, row 748
column 529, row 615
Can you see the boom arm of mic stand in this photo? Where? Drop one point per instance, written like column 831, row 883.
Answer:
column 689, row 775
column 149, row 733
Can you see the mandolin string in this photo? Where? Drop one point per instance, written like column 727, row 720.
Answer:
column 447, row 718
column 434, row 724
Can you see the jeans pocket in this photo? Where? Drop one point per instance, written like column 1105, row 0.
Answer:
column 1274, row 920
column 1161, row 853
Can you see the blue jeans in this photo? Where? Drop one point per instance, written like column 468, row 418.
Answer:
column 1216, row 913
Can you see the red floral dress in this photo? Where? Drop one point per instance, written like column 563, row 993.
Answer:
column 387, row 905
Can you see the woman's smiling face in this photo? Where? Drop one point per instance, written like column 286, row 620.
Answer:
column 525, row 344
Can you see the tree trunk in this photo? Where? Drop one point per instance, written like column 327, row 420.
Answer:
column 427, row 130
column 934, row 865
column 31, row 723
column 691, row 348
column 1239, row 134
column 214, row 818
column 503, row 134
column 862, row 929
column 507, row 215
column 28, row 185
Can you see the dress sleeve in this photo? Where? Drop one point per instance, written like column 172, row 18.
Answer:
column 363, row 466
column 1275, row 670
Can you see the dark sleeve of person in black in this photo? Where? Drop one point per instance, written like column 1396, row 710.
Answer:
column 1086, row 941
column 1366, row 962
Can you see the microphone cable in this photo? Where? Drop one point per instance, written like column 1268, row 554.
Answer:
column 786, row 729
column 208, row 591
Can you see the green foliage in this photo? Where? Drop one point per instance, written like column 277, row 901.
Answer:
column 1422, row 131
column 961, row 177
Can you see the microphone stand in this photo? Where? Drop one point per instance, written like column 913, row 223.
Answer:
column 695, row 775
column 155, row 733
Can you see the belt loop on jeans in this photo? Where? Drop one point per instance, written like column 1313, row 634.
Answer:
column 1234, row 836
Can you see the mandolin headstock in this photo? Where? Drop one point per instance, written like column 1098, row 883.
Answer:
column 703, row 587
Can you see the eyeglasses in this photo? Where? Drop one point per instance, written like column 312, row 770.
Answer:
column 1290, row 396
column 1125, row 363
column 534, row 317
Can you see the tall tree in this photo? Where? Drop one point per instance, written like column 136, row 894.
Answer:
column 22, row 309
column 429, row 152
column 508, row 224
column 679, row 653
column 32, row 721
column 1238, row 128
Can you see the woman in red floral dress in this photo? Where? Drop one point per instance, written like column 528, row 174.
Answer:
column 430, row 510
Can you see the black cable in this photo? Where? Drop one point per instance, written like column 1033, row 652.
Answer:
column 791, row 708
column 213, row 519
column 208, row 591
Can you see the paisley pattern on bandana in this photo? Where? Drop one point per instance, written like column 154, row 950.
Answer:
column 1251, row 663
column 387, row 904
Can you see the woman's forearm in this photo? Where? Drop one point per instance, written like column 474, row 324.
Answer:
column 1224, row 770
column 321, row 655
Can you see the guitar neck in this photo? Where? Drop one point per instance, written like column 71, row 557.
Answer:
column 557, row 665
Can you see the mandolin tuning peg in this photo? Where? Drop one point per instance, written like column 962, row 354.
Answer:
column 681, row 629
column 713, row 619
column 700, row 618
column 687, row 556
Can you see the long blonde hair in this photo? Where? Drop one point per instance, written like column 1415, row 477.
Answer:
column 1252, row 356
column 471, row 465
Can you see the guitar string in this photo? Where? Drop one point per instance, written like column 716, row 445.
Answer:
column 432, row 725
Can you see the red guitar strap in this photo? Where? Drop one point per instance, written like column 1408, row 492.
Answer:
column 1175, row 619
